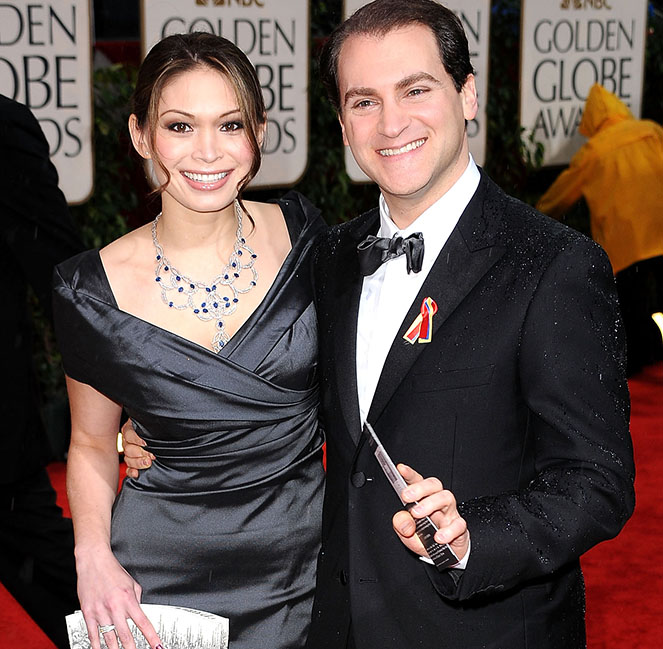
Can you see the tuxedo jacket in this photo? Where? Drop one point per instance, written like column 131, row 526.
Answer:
column 518, row 404
column 36, row 233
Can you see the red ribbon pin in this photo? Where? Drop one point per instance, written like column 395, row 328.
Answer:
column 421, row 330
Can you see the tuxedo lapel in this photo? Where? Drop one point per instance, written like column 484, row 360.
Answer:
column 466, row 257
column 345, row 319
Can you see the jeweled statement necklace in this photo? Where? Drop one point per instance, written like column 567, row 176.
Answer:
column 214, row 301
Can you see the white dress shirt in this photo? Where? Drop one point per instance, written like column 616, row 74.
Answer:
column 387, row 294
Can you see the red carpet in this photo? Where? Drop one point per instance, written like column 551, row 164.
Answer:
column 57, row 472
column 624, row 576
column 17, row 630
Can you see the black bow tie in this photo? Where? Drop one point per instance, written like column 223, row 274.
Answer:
column 374, row 251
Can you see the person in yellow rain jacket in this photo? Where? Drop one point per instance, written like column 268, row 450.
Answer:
column 619, row 172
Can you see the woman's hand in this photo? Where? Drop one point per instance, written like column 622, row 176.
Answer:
column 135, row 455
column 108, row 596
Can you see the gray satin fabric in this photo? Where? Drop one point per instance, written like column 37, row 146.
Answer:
column 228, row 518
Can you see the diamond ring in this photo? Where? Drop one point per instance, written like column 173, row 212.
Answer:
column 106, row 628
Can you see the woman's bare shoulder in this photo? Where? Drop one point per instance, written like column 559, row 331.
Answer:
column 129, row 249
column 263, row 210
column 270, row 226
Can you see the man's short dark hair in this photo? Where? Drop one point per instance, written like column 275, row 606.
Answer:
column 382, row 16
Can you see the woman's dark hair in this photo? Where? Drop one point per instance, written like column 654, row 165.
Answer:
column 180, row 53
column 382, row 16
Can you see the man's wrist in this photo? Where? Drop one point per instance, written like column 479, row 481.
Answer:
column 461, row 565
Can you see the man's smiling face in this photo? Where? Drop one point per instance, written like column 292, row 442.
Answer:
column 402, row 116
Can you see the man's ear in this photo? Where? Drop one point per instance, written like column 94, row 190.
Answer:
column 469, row 97
column 138, row 138
column 340, row 121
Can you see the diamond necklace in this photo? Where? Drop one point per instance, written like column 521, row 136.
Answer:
column 181, row 292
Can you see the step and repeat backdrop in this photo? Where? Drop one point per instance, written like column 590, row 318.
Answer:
column 566, row 46
column 46, row 63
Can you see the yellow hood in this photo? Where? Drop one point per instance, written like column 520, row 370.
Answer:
column 602, row 109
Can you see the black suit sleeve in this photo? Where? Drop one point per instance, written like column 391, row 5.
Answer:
column 36, row 233
column 37, row 228
column 572, row 380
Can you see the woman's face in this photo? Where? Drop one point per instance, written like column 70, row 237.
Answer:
column 200, row 139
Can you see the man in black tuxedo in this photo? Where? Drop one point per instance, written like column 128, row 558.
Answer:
column 36, row 542
column 516, row 404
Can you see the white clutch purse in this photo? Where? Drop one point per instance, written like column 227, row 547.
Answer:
column 178, row 628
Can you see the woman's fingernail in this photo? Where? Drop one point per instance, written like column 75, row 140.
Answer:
column 146, row 462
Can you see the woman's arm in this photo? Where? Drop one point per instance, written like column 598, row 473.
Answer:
column 107, row 593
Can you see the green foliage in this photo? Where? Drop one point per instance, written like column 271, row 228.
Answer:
column 104, row 216
column 513, row 158
column 509, row 158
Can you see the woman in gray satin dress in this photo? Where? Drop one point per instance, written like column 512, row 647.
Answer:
column 218, row 375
